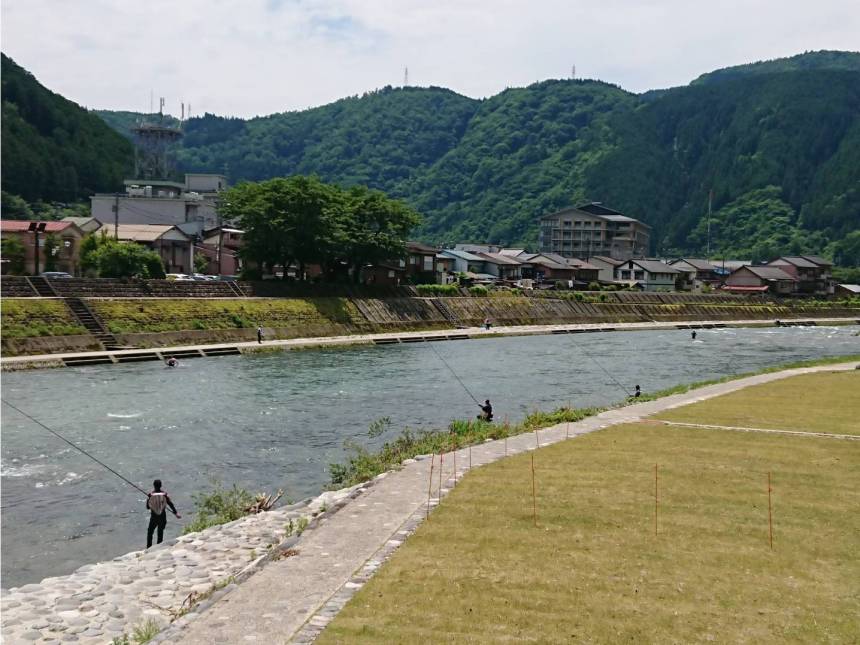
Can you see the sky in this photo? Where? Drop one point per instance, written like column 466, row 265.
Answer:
column 258, row 57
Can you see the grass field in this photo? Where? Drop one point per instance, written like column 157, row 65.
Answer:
column 594, row 571
column 810, row 403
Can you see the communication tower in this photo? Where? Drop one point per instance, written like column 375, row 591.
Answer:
column 152, row 143
column 405, row 77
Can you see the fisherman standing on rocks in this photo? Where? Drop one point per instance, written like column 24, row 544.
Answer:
column 157, row 502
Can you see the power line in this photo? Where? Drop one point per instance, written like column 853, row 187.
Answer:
column 75, row 446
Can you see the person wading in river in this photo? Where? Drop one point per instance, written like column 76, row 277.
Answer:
column 157, row 502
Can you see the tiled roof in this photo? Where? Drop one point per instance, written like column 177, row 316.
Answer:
column 11, row 225
column 770, row 273
column 651, row 266
column 700, row 265
column 498, row 258
column 140, row 232
column 797, row 261
column 463, row 255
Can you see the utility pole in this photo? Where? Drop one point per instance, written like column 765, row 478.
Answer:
column 116, row 216
column 710, row 200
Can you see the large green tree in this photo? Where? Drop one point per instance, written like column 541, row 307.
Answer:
column 301, row 220
column 119, row 260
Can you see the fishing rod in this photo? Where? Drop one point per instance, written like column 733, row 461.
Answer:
column 451, row 369
column 605, row 371
column 75, row 446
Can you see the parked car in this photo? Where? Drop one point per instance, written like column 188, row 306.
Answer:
column 179, row 277
column 55, row 274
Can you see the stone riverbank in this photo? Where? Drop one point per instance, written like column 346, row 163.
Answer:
column 164, row 584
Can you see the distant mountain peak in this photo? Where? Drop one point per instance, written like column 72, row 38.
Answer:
column 817, row 60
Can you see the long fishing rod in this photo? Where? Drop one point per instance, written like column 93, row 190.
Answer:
column 605, row 371
column 75, row 446
column 451, row 369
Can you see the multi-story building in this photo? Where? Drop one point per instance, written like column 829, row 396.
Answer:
column 593, row 229
column 149, row 201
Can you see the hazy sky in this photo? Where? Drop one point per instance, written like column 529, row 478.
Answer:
column 262, row 56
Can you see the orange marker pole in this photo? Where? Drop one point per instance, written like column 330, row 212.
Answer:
column 430, row 486
column 441, row 458
column 534, row 496
column 769, row 512
column 567, row 429
column 537, row 438
column 506, row 446
column 656, row 498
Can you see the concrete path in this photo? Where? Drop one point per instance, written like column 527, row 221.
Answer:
column 291, row 600
column 809, row 433
column 56, row 360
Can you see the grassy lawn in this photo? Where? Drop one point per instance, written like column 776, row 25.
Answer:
column 311, row 315
column 826, row 402
column 30, row 317
column 593, row 570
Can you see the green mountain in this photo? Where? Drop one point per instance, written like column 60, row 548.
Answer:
column 775, row 142
column 53, row 149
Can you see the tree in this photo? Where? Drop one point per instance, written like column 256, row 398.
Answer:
column 117, row 260
column 847, row 250
column 14, row 207
column 374, row 229
column 51, row 246
column 201, row 262
column 89, row 245
column 13, row 250
column 302, row 220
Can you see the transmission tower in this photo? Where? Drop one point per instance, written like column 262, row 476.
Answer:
column 405, row 77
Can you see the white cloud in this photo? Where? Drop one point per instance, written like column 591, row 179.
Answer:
column 264, row 56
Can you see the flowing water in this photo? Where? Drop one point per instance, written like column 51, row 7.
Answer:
column 277, row 420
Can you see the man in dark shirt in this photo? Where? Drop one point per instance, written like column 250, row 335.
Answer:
column 157, row 502
column 487, row 411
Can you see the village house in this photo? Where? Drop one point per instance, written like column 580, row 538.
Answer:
column 760, row 279
column 847, row 290
column 648, row 275
column 220, row 247
column 86, row 224
column 464, row 262
column 62, row 238
column 695, row 273
column 811, row 271
column 585, row 272
column 504, row 267
column 175, row 248
column 541, row 267
column 420, row 264
column 605, row 267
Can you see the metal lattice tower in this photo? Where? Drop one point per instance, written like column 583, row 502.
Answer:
column 152, row 142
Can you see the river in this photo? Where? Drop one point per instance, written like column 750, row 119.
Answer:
column 277, row 420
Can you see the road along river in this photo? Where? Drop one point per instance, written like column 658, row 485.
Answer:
column 277, row 420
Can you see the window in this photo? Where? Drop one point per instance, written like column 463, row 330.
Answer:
column 402, row 264
column 391, row 273
column 428, row 262
column 639, row 275
column 413, row 259
column 625, row 275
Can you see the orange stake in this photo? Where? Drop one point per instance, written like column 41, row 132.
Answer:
column 441, row 457
column 534, row 497
column 430, row 486
column 769, row 512
column 537, row 439
column 656, row 498
column 506, row 446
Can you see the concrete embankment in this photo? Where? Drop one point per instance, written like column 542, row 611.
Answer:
column 183, row 352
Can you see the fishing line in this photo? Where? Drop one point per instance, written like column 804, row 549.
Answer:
column 605, row 371
column 444, row 362
column 76, row 447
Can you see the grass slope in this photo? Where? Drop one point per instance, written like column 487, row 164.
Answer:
column 593, row 570
column 28, row 317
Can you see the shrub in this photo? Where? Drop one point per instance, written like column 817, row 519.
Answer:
column 218, row 506
column 594, row 286
column 437, row 289
column 479, row 291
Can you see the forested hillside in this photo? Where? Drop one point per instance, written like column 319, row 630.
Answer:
column 777, row 142
column 53, row 149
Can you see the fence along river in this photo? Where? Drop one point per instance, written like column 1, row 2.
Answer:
column 277, row 420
